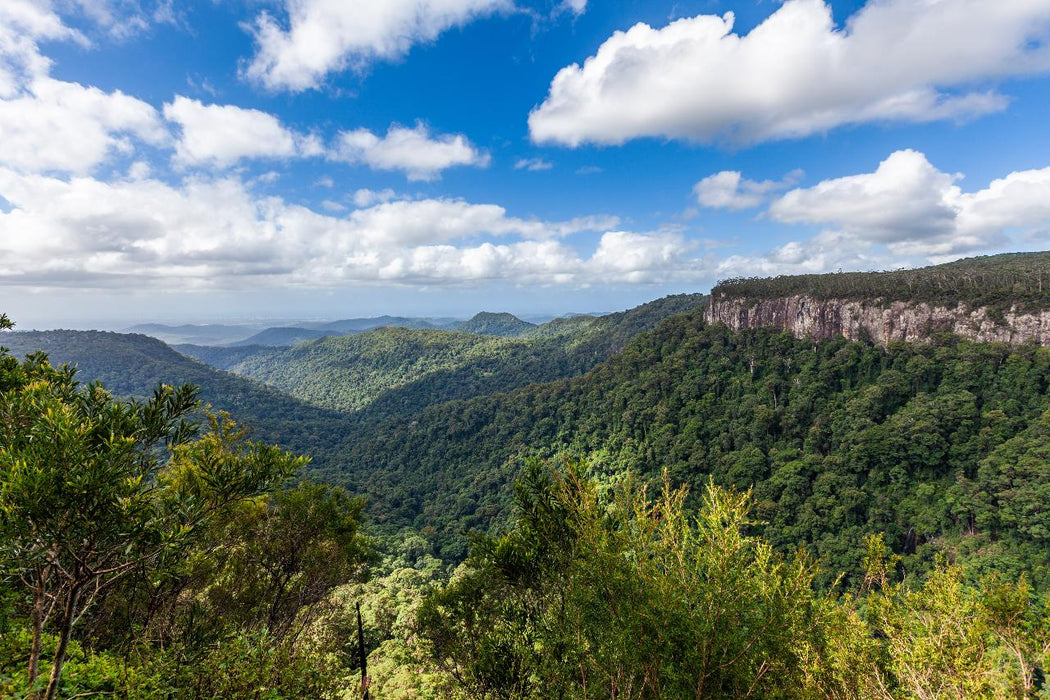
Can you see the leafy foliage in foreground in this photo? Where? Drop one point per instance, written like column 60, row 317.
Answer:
column 996, row 281
column 120, row 532
column 623, row 597
column 626, row 595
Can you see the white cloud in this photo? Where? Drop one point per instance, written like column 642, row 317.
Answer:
column 414, row 151
column 324, row 36
column 120, row 18
column 825, row 252
column 52, row 125
column 365, row 197
column 918, row 212
column 643, row 258
column 419, row 222
column 796, row 73
column 906, row 198
column 60, row 126
column 221, row 135
column 533, row 164
column 730, row 190
column 577, row 7
column 217, row 233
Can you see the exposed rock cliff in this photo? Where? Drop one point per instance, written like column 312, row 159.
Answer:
column 806, row 316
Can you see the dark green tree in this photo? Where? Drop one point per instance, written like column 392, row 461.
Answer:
column 93, row 488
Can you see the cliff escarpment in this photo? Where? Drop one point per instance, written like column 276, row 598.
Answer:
column 997, row 298
column 807, row 316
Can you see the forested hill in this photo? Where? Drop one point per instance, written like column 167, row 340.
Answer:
column 394, row 371
column 282, row 336
column 133, row 365
column 838, row 439
column 997, row 281
column 488, row 323
column 225, row 357
column 397, row 371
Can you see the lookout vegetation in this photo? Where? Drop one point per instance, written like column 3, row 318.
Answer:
column 701, row 514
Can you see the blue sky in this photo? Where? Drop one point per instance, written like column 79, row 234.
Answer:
column 330, row 159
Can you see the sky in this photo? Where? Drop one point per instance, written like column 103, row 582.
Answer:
column 225, row 160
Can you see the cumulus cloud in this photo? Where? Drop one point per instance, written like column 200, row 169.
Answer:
column 217, row 233
column 796, row 73
column 634, row 257
column 414, row 151
column 905, row 212
column 365, row 197
column 533, row 164
column 906, row 198
column 220, row 135
column 825, row 252
column 52, row 125
column 23, row 23
column 417, row 222
column 323, row 36
column 730, row 190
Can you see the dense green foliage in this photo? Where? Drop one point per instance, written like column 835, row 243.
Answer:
column 154, row 561
column 399, row 372
column 610, row 592
column 490, row 323
column 932, row 438
column 557, row 607
column 224, row 357
column 999, row 282
column 349, row 372
column 599, row 579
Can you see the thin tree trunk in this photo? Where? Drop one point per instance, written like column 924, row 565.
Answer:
column 38, row 632
column 65, row 631
column 362, row 655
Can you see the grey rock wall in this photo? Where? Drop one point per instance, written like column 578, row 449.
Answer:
column 805, row 316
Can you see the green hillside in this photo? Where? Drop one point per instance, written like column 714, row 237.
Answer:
column 996, row 281
column 349, row 372
column 397, row 371
column 284, row 336
column 489, row 323
column 133, row 365
column 838, row 439
column 224, row 357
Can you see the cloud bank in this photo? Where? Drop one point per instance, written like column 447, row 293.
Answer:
column 216, row 233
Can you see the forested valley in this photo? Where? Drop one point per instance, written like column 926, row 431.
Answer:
column 633, row 505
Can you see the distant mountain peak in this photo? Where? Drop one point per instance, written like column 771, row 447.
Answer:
column 495, row 323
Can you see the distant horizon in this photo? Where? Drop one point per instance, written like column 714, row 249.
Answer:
column 263, row 322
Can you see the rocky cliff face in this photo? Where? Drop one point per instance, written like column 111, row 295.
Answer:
column 806, row 316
